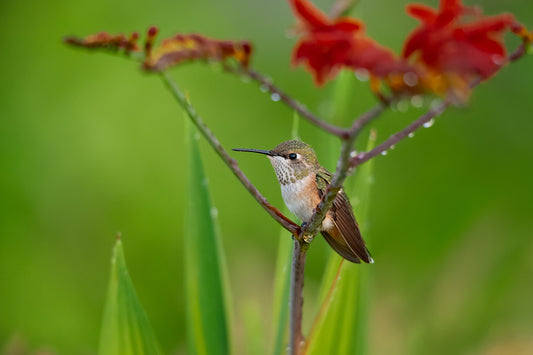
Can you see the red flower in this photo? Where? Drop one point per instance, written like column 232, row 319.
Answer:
column 453, row 51
column 328, row 45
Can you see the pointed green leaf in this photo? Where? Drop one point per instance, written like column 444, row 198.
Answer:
column 207, row 324
column 125, row 327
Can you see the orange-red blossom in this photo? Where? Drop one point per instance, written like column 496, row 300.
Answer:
column 444, row 54
column 450, row 51
column 327, row 45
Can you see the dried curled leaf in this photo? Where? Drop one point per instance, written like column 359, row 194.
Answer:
column 104, row 40
column 172, row 51
column 180, row 48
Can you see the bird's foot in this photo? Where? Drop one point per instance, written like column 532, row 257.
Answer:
column 308, row 238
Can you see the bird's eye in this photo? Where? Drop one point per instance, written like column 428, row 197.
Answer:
column 292, row 156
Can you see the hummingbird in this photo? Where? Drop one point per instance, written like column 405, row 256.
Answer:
column 303, row 182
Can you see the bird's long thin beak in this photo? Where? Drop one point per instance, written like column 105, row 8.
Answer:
column 266, row 152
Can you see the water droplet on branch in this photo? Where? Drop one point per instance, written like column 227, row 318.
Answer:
column 429, row 123
column 275, row 97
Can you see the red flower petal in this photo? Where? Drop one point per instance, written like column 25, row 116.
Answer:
column 445, row 45
column 328, row 45
column 422, row 12
column 349, row 25
column 310, row 15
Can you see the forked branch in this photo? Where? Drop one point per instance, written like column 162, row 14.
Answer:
column 345, row 162
column 223, row 154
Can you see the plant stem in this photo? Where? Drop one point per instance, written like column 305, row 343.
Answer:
column 411, row 128
column 296, row 299
column 360, row 123
column 344, row 163
column 230, row 162
column 396, row 137
column 341, row 173
column 297, row 106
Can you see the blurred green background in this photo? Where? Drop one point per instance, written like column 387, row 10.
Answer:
column 91, row 146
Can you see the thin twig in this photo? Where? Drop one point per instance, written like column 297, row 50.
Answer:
column 333, row 188
column 341, row 173
column 296, row 299
column 518, row 53
column 360, row 123
column 297, row 106
column 344, row 163
column 395, row 138
column 230, row 162
column 343, row 133
column 411, row 128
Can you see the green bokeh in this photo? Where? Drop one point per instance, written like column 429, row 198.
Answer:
column 90, row 146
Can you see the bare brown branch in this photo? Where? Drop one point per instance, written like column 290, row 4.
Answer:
column 298, row 107
column 395, row 138
column 344, row 162
column 230, row 162
column 296, row 299
column 430, row 115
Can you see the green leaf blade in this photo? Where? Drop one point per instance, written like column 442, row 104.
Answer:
column 206, row 292
column 125, row 327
